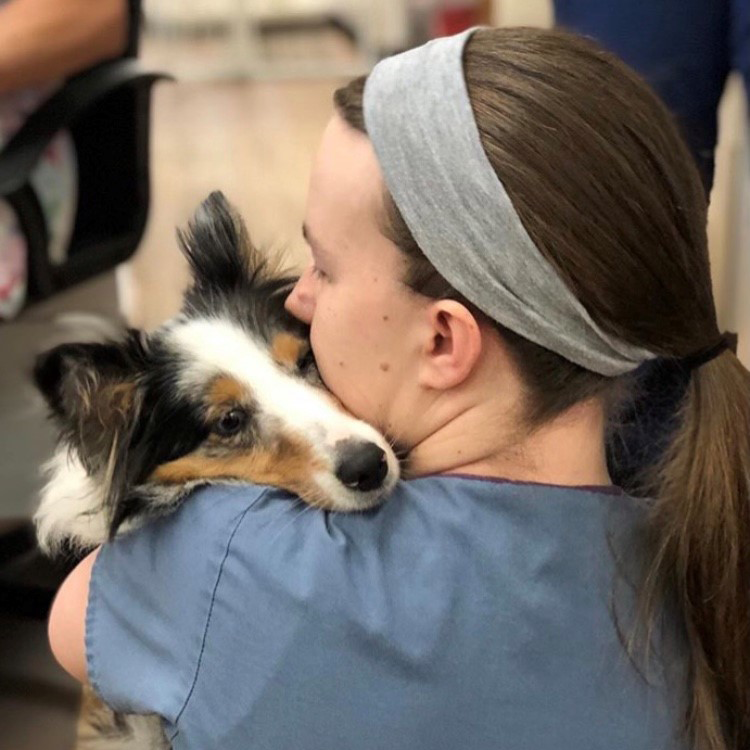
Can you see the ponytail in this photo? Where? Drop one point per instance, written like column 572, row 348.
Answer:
column 699, row 540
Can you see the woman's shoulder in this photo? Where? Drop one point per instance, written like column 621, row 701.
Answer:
column 435, row 508
column 440, row 525
column 416, row 592
column 421, row 505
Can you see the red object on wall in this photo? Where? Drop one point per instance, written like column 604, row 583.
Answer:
column 453, row 19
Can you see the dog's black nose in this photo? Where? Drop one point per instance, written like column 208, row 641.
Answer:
column 361, row 466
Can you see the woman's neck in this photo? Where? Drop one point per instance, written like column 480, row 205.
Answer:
column 568, row 451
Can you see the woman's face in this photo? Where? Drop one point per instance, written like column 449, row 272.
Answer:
column 365, row 323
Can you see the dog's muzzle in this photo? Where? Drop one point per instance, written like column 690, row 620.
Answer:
column 361, row 466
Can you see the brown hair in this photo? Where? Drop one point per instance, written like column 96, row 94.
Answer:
column 606, row 188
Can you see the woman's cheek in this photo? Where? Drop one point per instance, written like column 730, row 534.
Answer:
column 327, row 356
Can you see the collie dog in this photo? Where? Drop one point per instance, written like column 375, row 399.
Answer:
column 226, row 392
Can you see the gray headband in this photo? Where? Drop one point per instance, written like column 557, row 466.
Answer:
column 421, row 124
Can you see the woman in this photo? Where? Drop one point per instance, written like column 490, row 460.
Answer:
column 504, row 226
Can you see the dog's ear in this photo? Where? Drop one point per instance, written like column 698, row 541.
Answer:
column 218, row 247
column 229, row 274
column 93, row 394
column 224, row 263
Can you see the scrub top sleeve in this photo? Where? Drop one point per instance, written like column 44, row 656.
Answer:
column 150, row 602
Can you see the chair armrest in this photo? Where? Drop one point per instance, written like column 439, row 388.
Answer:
column 22, row 152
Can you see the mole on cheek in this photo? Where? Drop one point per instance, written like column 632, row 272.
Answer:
column 384, row 366
column 385, row 317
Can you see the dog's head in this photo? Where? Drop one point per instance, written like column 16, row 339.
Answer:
column 225, row 391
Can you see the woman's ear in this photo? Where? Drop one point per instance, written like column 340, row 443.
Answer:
column 452, row 346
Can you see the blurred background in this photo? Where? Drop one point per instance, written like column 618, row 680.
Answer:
column 199, row 95
column 254, row 138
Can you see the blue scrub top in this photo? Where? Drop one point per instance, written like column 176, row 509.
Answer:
column 464, row 613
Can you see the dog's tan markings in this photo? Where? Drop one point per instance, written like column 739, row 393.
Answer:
column 109, row 406
column 85, row 386
column 225, row 391
column 289, row 464
column 118, row 398
column 286, row 349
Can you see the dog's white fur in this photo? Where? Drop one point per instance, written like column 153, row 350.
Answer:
column 71, row 506
column 71, row 510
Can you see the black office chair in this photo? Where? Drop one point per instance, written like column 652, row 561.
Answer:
column 107, row 111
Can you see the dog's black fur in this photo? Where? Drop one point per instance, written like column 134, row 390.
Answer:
column 114, row 402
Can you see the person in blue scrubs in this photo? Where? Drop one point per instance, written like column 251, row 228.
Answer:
column 685, row 49
column 492, row 601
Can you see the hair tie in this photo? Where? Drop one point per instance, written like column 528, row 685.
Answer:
column 694, row 361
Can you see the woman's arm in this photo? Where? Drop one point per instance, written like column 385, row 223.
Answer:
column 41, row 40
column 134, row 624
column 67, row 620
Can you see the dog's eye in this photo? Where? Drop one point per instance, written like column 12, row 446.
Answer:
column 231, row 423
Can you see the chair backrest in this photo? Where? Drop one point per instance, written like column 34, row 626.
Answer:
column 112, row 147
column 134, row 26
column 107, row 111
